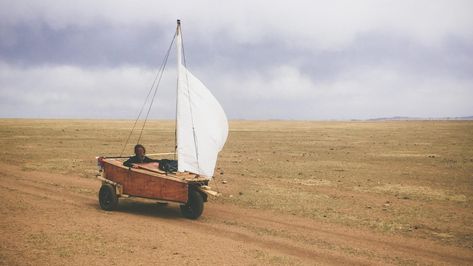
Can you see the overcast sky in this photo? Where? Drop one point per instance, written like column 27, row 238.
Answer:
column 307, row 60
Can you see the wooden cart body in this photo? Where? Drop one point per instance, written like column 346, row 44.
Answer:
column 151, row 183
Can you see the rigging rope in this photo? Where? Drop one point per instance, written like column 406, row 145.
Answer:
column 157, row 85
column 154, row 86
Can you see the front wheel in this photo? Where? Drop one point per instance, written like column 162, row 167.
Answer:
column 194, row 206
column 108, row 197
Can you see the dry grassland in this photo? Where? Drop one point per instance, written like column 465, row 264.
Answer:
column 395, row 177
column 407, row 178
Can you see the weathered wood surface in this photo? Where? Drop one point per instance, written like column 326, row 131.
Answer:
column 184, row 176
column 191, row 177
column 142, row 183
column 207, row 190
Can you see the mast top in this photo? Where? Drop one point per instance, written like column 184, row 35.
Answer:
column 179, row 22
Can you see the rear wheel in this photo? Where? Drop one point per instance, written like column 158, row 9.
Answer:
column 108, row 198
column 194, row 206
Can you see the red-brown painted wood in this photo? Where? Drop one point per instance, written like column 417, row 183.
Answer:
column 146, row 184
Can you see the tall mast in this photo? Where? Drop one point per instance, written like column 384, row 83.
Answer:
column 178, row 66
column 178, row 43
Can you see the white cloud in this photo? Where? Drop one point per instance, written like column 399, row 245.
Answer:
column 278, row 83
column 282, row 92
column 69, row 91
column 360, row 93
column 387, row 92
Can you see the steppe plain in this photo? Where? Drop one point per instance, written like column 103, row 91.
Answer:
column 293, row 193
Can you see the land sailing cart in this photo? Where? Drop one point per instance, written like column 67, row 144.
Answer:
column 201, row 132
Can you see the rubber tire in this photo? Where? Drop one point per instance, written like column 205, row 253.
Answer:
column 108, row 198
column 194, row 206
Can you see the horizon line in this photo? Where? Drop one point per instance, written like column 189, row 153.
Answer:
column 391, row 118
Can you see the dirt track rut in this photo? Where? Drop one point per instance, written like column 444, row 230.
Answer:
column 55, row 219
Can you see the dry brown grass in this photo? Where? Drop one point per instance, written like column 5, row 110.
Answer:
column 413, row 178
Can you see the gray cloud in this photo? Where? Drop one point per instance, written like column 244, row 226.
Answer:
column 100, row 45
column 107, row 45
column 318, row 61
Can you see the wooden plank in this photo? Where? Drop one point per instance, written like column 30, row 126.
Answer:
column 159, row 154
column 192, row 177
column 187, row 176
column 207, row 190
column 118, row 187
column 150, row 167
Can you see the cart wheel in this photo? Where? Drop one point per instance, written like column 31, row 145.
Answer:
column 108, row 198
column 194, row 206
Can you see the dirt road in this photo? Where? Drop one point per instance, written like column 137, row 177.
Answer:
column 52, row 219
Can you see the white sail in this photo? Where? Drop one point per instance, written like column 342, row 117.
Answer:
column 202, row 125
